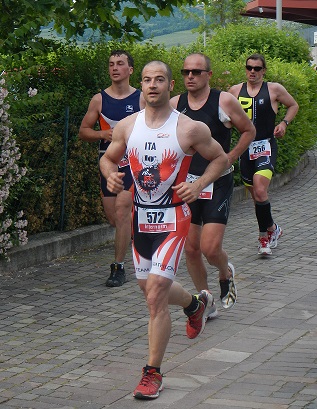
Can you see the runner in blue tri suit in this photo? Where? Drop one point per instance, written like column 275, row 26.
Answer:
column 108, row 107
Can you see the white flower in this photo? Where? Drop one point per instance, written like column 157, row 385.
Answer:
column 32, row 92
column 12, row 224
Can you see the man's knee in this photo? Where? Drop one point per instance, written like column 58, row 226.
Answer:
column 211, row 252
column 192, row 248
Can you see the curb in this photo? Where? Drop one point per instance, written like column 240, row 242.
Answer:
column 49, row 246
column 45, row 247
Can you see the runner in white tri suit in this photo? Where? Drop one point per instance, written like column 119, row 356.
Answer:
column 160, row 143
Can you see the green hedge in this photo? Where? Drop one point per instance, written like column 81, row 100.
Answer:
column 72, row 75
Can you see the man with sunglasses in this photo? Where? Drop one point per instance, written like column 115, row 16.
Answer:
column 260, row 100
column 210, row 212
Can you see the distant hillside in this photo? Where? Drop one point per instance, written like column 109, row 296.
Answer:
column 174, row 39
column 156, row 26
column 171, row 31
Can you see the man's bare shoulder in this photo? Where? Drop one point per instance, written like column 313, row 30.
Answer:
column 191, row 132
column 174, row 101
column 124, row 127
column 235, row 89
column 275, row 86
column 185, row 120
column 277, row 90
column 226, row 97
column 96, row 100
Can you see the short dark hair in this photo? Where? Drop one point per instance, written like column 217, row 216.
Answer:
column 167, row 68
column 117, row 53
column 257, row 56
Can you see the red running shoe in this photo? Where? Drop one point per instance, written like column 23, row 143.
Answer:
column 197, row 320
column 150, row 385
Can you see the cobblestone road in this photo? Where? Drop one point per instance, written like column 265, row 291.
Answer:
column 67, row 341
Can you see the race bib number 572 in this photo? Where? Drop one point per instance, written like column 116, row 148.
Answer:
column 157, row 220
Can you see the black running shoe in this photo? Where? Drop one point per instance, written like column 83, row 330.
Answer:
column 117, row 276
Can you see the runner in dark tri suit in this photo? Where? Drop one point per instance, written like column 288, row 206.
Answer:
column 108, row 107
column 220, row 111
column 260, row 101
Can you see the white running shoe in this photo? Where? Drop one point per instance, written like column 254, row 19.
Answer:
column 211, row 309
column 229, row 300
column 274, row 236
column 264, row 246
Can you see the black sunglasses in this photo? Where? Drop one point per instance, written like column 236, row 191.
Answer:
column 250, row 68
column 194, row 72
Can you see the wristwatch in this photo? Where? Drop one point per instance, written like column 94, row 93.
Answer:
column 287, row 122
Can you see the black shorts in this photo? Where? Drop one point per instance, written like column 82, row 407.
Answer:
column 217, row 209
column 248, row 168
column 127, row 181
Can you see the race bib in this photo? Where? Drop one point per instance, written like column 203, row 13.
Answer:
column 259, row 148
column 204, row 194
column 157, row 220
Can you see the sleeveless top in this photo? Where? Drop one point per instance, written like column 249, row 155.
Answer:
column 113, row 110
column 259, row 110
column 157, row 162
column 209, row 114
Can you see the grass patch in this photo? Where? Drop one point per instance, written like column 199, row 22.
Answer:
column 174, row 39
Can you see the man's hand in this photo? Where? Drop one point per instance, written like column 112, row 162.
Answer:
column 188, row 192
column 107, row 135
column 115, row 182
column 280, row 130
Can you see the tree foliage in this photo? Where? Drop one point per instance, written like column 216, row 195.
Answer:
column 21, row 20
column 216, row 13
column 223, row 12
column 237, row 39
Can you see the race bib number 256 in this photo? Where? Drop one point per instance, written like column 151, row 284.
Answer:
column 259, row 148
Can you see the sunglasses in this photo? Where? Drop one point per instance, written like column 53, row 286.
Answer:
column 250, row 68
column 194, row 72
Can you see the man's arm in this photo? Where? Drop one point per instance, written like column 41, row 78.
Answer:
column 86, row 131
column 240, row 121
column 280, row 95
